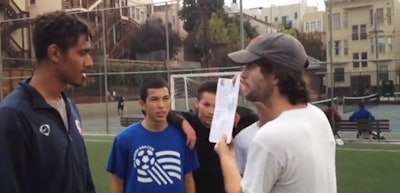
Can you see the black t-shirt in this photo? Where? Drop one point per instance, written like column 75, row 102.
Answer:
column 120, row 100
column 208, row 177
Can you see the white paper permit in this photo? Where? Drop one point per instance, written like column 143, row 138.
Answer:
column 225, row 108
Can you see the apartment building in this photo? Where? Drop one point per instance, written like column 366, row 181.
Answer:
column 365, row 45
column 314, row 21
column 254, row 17
column 290, row 16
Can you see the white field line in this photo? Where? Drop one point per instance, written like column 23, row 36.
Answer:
column 369, row 150
column 341, row 149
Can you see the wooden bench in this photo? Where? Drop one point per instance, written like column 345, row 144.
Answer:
column 364, row 126
column 126, row 121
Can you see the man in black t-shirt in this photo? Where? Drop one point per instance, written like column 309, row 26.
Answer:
column 208, row 177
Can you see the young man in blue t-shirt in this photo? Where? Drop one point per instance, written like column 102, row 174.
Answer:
column 151, row 155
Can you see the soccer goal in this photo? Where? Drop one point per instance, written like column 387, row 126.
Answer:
column 184, row 88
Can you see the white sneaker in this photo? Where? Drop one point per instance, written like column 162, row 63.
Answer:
column 339, row 141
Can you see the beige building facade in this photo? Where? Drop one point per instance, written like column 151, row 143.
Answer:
column 288, row 15
column 360, row 61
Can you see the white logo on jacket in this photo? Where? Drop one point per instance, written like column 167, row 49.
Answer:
column 45, row 129
column 159, row 167
column 78, row 126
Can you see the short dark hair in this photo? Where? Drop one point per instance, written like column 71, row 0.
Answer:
column 291, row 82
column 59, row 28
column 207, row 86
column 329, row 104
column 155, row 82
column 361, row 104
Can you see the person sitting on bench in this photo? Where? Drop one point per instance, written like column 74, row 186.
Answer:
column 361, row 114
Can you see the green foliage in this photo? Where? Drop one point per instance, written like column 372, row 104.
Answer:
column 291, row 31
column 313, row 44
column 192, row 9
column 151, row 37
column 143, row 72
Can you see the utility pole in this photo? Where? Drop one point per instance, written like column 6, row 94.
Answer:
column 167, row 40
column 332, row 80
column 241, row 25
column 376, row 31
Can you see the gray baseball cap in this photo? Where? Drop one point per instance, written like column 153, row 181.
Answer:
column 277, row 48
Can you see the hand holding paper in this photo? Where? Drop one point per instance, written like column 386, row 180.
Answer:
column 225, row 108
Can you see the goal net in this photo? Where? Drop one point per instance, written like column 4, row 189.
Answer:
column 184, row 88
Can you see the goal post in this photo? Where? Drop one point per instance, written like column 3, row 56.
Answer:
column 184, row 87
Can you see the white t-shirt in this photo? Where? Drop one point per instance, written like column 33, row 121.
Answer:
column 242, row 143
column 294, row 153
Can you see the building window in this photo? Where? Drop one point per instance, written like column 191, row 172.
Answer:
column 295, row 15
column 355, row 32
column 389, row 16
column 381, row 44
column 337, row 47
column 137, row 14
column 383, row 72
column 339, row 75
column 319, row 25
column 266, row 19
column 379, row 16
column 307, row 26
column 371, row 16
column 276, row 19
column 363, row 32
column 33, row 2
column 345, row 20
column 132, row 12
column 356, row 62
column 364, row 57
column 336, row 21
column 345, row 47
column 389, row 42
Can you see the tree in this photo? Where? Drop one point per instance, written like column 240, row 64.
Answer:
column 192, row 10
column 291, row 31
column 151, row 37
column 313, row 44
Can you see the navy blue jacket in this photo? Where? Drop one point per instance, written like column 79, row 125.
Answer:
column 37, row 153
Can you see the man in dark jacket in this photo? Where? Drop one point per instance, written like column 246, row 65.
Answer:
column 41, row 144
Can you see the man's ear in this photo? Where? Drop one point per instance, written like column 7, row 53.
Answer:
column 54, row 53
column 142, row 104
column 196, row 103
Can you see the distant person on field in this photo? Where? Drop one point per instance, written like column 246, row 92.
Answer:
column 120, row 103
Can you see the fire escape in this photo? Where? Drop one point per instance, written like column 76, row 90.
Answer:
column 118, row 26
column 15, row 21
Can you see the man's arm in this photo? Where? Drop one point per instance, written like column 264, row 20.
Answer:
column 117, row 184
column 190, row 186
column 179, row 121
column 231, row 175
column 13, row 152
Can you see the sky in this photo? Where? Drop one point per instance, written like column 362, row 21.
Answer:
column 267, row 3
column 247, row 4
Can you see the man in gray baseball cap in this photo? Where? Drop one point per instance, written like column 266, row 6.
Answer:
column 296, row 139
column 278, row 48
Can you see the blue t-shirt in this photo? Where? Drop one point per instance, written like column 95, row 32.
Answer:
column 150, row 162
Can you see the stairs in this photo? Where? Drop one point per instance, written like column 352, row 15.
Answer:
column 121, row 48
column 16, row 16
